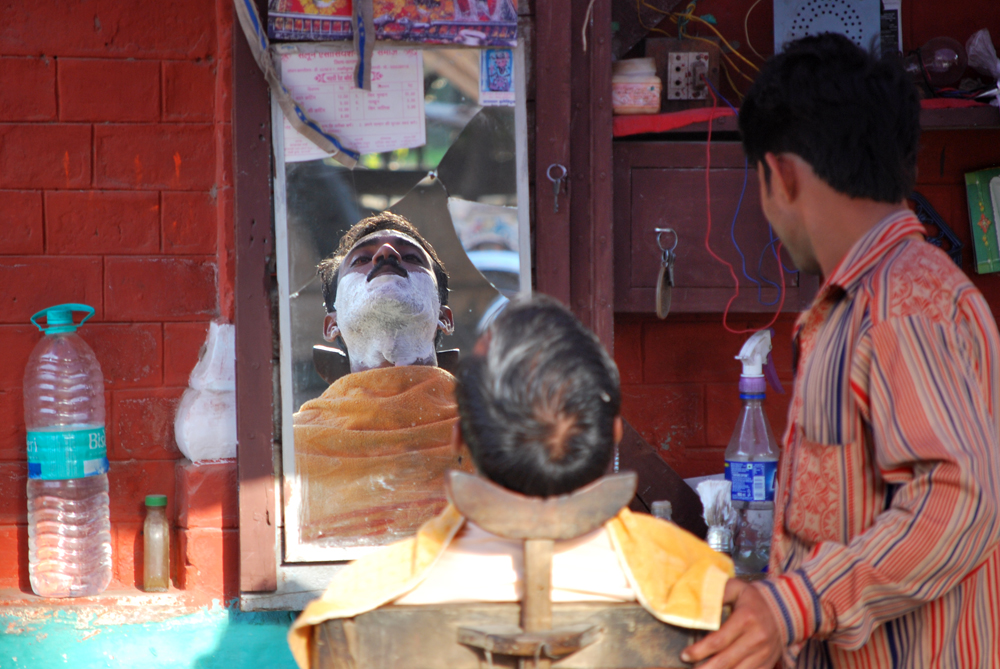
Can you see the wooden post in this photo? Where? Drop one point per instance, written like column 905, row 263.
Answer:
column 536, row 608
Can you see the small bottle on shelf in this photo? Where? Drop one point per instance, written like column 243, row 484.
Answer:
column 156, row 545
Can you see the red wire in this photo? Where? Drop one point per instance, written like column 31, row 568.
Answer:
column 708, row 234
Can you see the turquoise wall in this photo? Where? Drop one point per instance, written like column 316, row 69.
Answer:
column 215, row 638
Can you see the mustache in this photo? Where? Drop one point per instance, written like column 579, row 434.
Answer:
column 389, row 265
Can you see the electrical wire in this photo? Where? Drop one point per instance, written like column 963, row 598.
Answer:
column 746, row 30
column 708, row 233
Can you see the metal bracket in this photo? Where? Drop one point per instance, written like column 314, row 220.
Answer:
column 929, row 216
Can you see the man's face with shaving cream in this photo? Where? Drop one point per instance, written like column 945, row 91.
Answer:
column 387, row 286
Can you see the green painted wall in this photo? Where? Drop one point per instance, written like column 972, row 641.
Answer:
column 216, row 638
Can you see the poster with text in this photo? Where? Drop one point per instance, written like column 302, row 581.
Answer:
column 389, row 117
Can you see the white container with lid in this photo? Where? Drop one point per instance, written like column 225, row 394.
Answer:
column 635, row 88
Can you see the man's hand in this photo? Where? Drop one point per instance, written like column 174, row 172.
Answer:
column 749, row 639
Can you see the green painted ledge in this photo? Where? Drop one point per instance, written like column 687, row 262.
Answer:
column 214, row 637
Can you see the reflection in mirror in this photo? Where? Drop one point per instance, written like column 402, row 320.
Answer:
column 460, row 193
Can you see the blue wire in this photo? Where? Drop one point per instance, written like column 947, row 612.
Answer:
column 739, row 204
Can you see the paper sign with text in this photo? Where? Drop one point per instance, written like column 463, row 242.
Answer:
column 389, row 117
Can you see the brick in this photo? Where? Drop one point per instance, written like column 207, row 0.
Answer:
column 224, row 68
column 107, row 89
column 14, row 557
column 44, row 156
column 178, row 29
column 628, row 348
column 29, row 89
column 208, row 561
column 13, row 493
column 189, row 91
column 723, row 407
column 190, row 221
column 131, row 354
column 227, row 256
column 102, row 222
column 150, row 157
column 667, row 416
column 160, row 289
column 32, row 283
column 143, row 422
column 18, row 342
column 21, row 222
column 696, row 461
column 207, row 495
column 12, row 437
column 689, row 352
column 224, row 150
column 182, row 344
column 130, row 482
column 127, row 554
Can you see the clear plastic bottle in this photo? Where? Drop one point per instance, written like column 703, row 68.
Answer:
column 156, row 545
column 752, row 462
column 69, row 533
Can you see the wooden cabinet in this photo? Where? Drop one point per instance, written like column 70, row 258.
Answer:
column 662, row 185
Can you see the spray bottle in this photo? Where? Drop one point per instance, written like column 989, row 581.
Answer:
column 752, row 459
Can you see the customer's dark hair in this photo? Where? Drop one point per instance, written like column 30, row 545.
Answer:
column 537, row 406
column 854, row 118
column 329, row 268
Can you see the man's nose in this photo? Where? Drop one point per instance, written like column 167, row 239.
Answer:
column 387, row 254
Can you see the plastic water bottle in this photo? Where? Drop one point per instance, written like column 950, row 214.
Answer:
column 69, row 533
column 751, row 463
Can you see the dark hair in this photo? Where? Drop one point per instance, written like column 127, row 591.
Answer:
column 537, row 407
column 329, row 268
column 854, row 118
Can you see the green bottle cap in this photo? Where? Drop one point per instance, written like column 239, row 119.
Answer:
column 156, row 500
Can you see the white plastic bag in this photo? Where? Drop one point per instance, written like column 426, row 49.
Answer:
column 983, row 58
column 205, row 426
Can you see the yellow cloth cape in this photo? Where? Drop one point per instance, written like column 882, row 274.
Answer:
column 675, row 575
column 371, row 453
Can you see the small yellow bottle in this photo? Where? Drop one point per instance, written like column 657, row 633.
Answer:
column 156, row 545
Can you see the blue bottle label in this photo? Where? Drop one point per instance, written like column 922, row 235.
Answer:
column 752, row 481
column 67, row 454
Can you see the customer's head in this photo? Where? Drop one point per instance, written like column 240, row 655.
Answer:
column 538, row 401
column 855, row 119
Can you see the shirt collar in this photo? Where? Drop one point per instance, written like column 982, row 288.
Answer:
column 867, row 251
column 871, row 247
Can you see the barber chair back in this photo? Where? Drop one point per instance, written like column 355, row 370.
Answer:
column 535, row 633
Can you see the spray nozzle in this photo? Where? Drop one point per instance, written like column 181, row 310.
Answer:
column 758, row 364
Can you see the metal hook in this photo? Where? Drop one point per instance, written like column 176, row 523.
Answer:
column 659, row 239
column 561, row 176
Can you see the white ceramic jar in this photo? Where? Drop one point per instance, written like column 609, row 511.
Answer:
column 635, row 88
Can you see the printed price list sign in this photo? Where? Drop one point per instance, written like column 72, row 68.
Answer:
column 389, row 117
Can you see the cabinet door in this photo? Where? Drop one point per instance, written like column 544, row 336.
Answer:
column 662, row 185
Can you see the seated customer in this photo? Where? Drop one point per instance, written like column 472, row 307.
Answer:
column 538, row 403
column 371, row 452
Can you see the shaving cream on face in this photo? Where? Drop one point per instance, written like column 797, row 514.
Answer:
column 390, row 318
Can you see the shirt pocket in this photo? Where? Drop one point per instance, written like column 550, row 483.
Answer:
column 815, row 507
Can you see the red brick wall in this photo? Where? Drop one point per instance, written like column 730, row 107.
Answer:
column 679, row 378
column 116, row 191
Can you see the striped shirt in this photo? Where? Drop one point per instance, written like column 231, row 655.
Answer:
column 886, row 529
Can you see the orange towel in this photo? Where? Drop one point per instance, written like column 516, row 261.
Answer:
column 676, row 576
column 371, row 453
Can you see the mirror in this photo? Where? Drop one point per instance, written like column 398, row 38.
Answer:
column 464, row 193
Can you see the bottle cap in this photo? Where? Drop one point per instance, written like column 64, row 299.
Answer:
column 156, row 500
column 60, row 318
